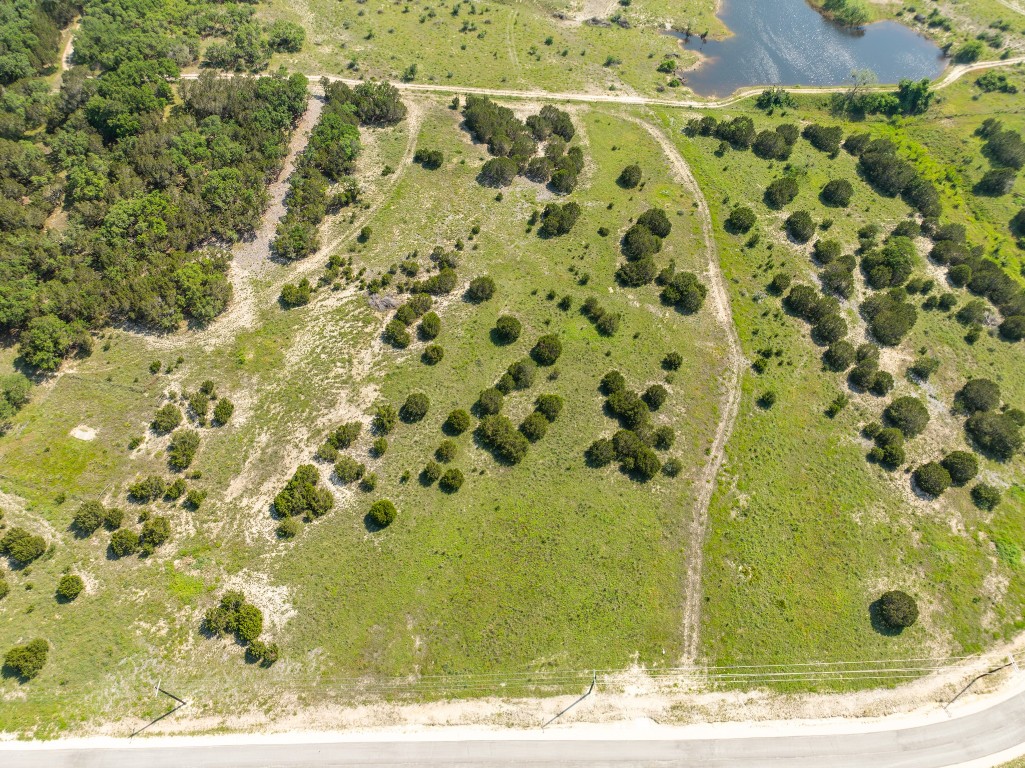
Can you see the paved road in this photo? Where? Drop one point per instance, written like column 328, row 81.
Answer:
column 949, row 743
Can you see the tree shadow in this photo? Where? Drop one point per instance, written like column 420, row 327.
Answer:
column 875, row 614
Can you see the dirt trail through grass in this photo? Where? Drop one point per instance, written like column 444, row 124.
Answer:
column 720, row 302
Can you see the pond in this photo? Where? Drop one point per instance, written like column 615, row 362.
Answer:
column 787, row 42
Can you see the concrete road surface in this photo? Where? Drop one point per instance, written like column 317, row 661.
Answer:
column 954, row 742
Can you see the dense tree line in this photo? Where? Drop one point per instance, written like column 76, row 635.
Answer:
column 150, row 186
column 321, row 183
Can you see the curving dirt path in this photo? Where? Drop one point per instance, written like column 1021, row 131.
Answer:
column 720, row 301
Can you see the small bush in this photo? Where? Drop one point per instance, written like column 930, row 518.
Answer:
column 88, row 518
column 932, row 479
column 27, row 660
column 432, row 354
column 534, row 427
column 348, row 470
column 430, row 473
column 507, row 329
column 288, row 528
column 124, row 542
column 781, row 192
column 685, row 292
column 672, row 361
column 962, row 466
column 481, row 289
column 612, row 382
column 430, row 327
column 898, row 609
column 522, row 373
column 655, row 396
column 248, row 623
column 302, row 496
column 447, row 451
column 296, row 294
column 978, row 396
column 457, row 422
column 195, row 498
column 664, row 437
column 998, row 435
column 741, row 220
column 547, row 350
column 223, row 411
column 155, row 531
column 385, row 419
column 396, row 334
column 382, row 513
column 182, row 448
column 21, row 546
column 69, row 587
column 800, row 226
column 415, row 408
column 549, row 406
column 672, row 467
column 379, row 447
column 600, row 453
column 502, row 438
column 908, row 414
column 167, row 419
column 490, row 402
column 630, row 176
column 113, row 517
column 837, row 193
column 451, row 481
column 985, row 496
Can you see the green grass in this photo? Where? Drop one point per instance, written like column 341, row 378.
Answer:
column 544, row 567
column 804, row 532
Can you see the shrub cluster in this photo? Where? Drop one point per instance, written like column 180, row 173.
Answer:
column 182, row 448
column 889, row 316
column 606, row 323
column 738, row 132
column 892, row 176
column 233, row 615
column 302, row 496
column 504, row 441
column 640, row 244
column 685, row 292
column 21, row 546
column 431, row 159
column 824, row 138
column 558, row 219
column 776, row 144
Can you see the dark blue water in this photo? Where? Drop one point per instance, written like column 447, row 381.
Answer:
column 787, row 42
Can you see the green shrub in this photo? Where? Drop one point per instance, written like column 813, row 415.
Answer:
column 155, row 531
column 430, row 473
column 490, row 402
column 600, row 453
column 838, row 193
column 507, row 329
column 182, row 448
column 88, row 518
column 997, row 434
column 5, row 588
column 800, row 226
column 223, row 411
column 69, row 587
column 175, row 490
column 685, row 292
column 882, row 384
column 672, row 467
column 345, row 435
column 898, row 609
column 382, row 513
column 194, row 498
column 430, row 326
column 124, row 542
column 368, row 483
column 655, row 396
column 415, row 408
column 432, row 354
column 379, row 447
column 534, row 427
column 385, row 419
column 302, row 496
column 499, row 435
column 147, row 489
column 840, row 356
column 986, row 496
column 248, row 623
column 664, row 437
column 396, row 334
column 348, row 470
column 672, row 361
column 932, row 479
column 26, row 661
column 547, row 350
column 558, row 219
column 826, row 252
column 288, row 528
column 978, row 395
column 741, row 220
column 296, row 294
column 908, row 414
column 457, row 422
column 451, row 481
column 167, row 419
column 446, row 451
column 962, row 466
column 21, row 546
column 656, row 221
column 630, row 177
column 113, row 517
column 549, row 406
column 612, row 382
column 639, row 242
column 781, row 192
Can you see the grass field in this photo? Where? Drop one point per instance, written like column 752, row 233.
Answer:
column 806, row 533
column 549, row 565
